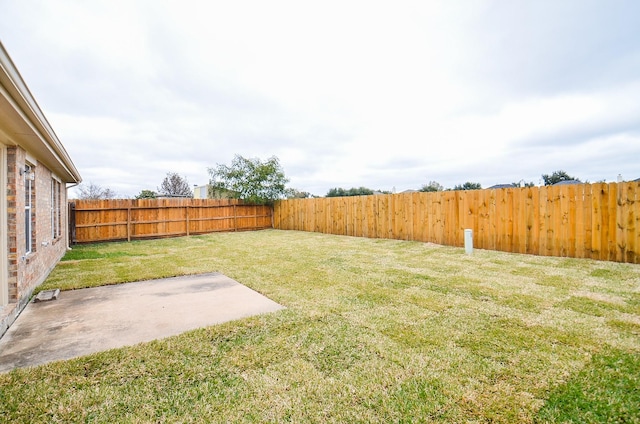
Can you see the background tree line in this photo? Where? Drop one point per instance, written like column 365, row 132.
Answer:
column 263, row 181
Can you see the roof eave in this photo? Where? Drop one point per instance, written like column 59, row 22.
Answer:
column 41, row 139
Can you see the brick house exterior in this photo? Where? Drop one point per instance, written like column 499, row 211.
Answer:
column 34, row 172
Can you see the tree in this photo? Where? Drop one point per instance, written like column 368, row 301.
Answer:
column 93, row 191
column 468, row 186
column 252, row 180
column 523, row 183
column 341, row 192
column 432, row 186
column 556, row 177
column 292, row 193
column 147, row 194
column 174, row 185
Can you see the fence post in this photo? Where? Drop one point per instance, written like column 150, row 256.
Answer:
column 129, row 223
column 235, row 218
column 187, row 217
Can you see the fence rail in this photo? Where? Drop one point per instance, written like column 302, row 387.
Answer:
column 127, row 219
column 598, row 221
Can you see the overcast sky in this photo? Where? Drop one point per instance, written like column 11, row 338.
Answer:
column 386, row 95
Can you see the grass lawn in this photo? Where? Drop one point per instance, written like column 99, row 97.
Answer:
column 374, row 331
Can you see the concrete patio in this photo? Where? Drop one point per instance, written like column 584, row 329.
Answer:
column 85, row 321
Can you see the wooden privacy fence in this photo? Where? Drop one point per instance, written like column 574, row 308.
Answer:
column 110, row 220
column 599, row 221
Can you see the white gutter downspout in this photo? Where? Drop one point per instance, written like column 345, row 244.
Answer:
column 66, row 224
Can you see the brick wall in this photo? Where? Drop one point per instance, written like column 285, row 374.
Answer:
column 12, row 224
column 28, row 270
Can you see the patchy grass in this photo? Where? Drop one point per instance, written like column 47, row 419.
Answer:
column 607, row 390
column 374, row 331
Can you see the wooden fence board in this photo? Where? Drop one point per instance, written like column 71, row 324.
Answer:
column 521, row 211
column 436, row 221
column 596, row 220
column 564, row 235
column 438, row 224
column 498, row 223
column 599, row 221
column 416, row 218
column 621, row 227
column 481, row 234
column 517, row 221
column 383, row 216
column 633, row 221
column 555, row 221
column 403, row 210
column 352, row 217
column 423, row 216
column 545, row 221
column 451, row 212
column 529, row 222
column 337, row 216
column 127, row 219
column 463, row 211
column 493, row 220
column 612, row 246
column 535, row 243
column 579, row 224
column 509, row 217
column 604, row 222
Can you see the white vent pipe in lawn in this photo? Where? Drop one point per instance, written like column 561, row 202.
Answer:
column 468, row 241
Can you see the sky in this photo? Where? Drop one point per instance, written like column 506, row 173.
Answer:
column 385, row 95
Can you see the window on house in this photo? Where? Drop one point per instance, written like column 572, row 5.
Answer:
column 29, row 214
column 56, row 213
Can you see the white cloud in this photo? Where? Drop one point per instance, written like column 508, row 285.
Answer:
column 344, row 93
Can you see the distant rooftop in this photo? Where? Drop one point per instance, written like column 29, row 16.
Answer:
column 566, row 182
column 502, row 186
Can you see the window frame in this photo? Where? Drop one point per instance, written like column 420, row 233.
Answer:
column 56, row 211
column 29, row 216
